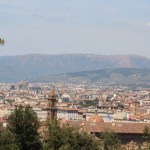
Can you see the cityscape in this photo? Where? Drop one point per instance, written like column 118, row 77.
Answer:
column 74, row 75
column 92, row 107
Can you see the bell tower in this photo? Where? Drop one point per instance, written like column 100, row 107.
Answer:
column 52, row 108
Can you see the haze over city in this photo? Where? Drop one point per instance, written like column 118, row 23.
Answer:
column 74, row 75
column 56, row 27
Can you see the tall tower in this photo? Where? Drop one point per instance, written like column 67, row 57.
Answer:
column 51, row 108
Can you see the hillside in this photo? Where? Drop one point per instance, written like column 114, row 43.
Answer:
column 26, row 67
column 124, row 76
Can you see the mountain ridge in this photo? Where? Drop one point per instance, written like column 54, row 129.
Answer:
column 31, row 66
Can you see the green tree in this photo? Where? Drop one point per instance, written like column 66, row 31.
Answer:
column 146, row 135
column 23, row 123
column 54, row 136
column 87, row 103
column 84, row 141
column 2, row 42
column 7, row 140
column 69, row 138
column 66, row 147
column 110, row 141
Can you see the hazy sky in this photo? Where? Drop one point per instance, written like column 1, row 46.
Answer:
column 75, row 26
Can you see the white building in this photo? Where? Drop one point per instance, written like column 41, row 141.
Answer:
column 70, row 114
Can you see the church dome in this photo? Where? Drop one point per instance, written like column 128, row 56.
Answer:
column 96, row 119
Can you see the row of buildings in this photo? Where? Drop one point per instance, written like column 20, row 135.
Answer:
column 93, row 108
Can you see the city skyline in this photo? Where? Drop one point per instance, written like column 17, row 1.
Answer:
column 58, row 27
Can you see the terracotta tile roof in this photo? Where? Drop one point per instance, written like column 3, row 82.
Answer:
column 116, row 127
column 146, row 116
column 95, row 119
column 2, row 120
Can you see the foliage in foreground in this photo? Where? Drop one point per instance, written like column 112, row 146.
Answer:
column 22, row 134
column 146, row 136
column 23, row 124
column 2, row 42
column 110, row 141
column 7, row 140
column 68, row 138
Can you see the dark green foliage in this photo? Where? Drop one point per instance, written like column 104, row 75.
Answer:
column 110, row 141
column 22, row 134
column 87, row 103
column 9, row 101
column 146, row 135
column 68, row 138
column 66, row 147
column 7, row 140
column 23, row 123
column 2, row 42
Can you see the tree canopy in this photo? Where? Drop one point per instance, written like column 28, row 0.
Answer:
column 23, row 124
column 146, row 135
column 110, row 141
column 7, row 140
column 87, row 103
column 2, row 41
column 69, row 138
column 22, row 134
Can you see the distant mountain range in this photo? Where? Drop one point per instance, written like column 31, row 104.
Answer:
column 34, row 66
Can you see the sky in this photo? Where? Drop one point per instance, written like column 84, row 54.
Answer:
column 105, row 27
